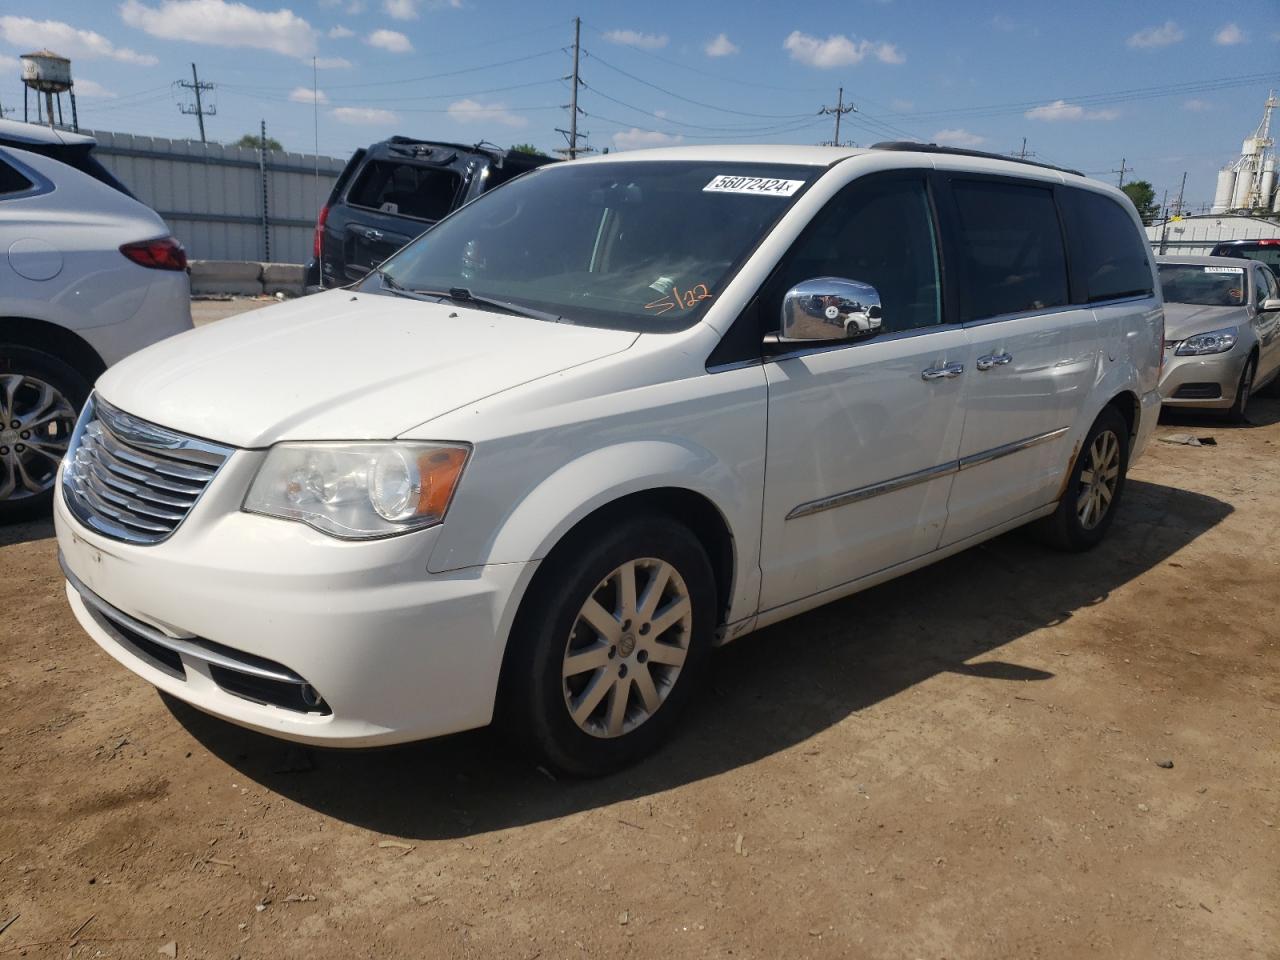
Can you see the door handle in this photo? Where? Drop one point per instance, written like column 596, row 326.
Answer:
column 948, row 371
column 993, row 360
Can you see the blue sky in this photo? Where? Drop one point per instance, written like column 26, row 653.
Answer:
column 1086, row 82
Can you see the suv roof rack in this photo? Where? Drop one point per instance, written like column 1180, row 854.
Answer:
column 961, row 152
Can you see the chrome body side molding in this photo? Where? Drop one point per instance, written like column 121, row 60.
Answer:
column 921, row 476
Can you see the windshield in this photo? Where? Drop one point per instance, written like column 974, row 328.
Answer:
column 643, row 245
column 1207, row 286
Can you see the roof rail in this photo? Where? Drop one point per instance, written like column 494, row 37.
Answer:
column 961, row 152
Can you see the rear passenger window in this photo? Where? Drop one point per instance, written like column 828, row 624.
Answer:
column 1109, row 257
column 406, row 189
column 11, row 181
column 1010, row 247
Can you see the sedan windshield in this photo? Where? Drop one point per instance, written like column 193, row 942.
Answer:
column 1201, row 284
column 634, row 245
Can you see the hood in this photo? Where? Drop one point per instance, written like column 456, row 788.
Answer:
column 1182, row 320
column 341, row 366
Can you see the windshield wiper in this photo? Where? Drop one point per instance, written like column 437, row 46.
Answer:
column 463, row 295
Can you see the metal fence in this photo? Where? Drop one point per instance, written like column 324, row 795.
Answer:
column 225, row 203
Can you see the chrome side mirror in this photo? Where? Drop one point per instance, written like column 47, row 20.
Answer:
column 830, row 308
column 1271, row 303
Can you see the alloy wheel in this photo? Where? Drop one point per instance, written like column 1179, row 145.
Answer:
column 36, row 422
column 1099, row 479
column 627, row 647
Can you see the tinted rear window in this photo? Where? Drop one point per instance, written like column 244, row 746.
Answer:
column 1011, row 249
column 406, row 189
column 1108, row 255
column 1268, row 254
column 11, row 181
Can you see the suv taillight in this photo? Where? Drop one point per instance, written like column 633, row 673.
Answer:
column 319, row 241
column 162, row 253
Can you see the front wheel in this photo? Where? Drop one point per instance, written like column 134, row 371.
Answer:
column 1093, row 489
column 609, row 646
column 1244, row 391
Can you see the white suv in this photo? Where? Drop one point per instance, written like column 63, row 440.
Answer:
column 88, row 274
column 600, row 420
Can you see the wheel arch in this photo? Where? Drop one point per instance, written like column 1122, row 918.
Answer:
column 67, row 345
column 1127, row 404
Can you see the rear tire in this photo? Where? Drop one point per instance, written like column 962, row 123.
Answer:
column 1244, row 392
column 1094, row 487
column 594, row 679
column 42, row 395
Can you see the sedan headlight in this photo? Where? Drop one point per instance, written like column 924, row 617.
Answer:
column 1218, row 341
column 358, row 491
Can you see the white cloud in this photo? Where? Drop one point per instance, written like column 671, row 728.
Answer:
column 364, row 116
column 332, row 63
column 1061, row 110
column 473, row 111
column 837, row 50
column 633, row 38
column 958, row 137
column 223, row 24
column 307, row 95
column 637, row 139
column 1161, row 36
column 391, row 40
column 720, row 46
column 401, row 9
column 1196, row 105
column 1229, row 36
column 91, row 88
column 67, row 40
column 340, row 33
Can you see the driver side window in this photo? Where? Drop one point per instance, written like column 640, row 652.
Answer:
column 878, row 232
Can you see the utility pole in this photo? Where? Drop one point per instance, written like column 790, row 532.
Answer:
column 572, row 136
column 1178, row 202
column 200, row 110
column 1122, row 171
column 1022, row 153
column 262, row 172
column 839, row 110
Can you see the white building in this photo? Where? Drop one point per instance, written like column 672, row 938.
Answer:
column 1197, row 235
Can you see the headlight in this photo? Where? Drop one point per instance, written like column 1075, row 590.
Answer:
column 1219, row 341
column 358, row 491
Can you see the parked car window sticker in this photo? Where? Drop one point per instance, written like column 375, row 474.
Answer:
column 765, row 186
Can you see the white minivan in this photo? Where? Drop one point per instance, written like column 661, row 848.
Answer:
column 601, row 420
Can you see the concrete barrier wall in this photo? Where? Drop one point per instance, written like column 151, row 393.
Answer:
column 211, row 195
column 247, row 278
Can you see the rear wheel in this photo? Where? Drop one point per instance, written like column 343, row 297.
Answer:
column 1244, row 392
column 1093, row 489
column 40, row 398
column 610, row 646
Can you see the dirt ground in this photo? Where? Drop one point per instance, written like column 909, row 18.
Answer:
column 960, row 764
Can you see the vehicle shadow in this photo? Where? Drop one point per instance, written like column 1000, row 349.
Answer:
column 26, row 531
column 767, row 692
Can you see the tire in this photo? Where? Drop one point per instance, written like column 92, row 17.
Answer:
column 1076, row 525
column 43, row 396
column 1239, row 412
column 609, row 659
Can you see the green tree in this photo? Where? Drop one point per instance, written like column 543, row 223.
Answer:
column 253, row 142
column 526, row 148
column 1143, row 195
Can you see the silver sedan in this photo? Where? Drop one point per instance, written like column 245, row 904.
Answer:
column 1222, row 332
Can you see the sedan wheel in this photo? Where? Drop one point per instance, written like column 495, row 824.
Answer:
column 36, row 422
column 627, row 648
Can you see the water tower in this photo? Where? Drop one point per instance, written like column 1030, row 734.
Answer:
column 46, row 72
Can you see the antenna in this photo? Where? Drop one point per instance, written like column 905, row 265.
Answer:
column 199, row 109
column 839, row 110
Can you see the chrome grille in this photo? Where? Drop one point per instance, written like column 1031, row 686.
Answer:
column 133, row 480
